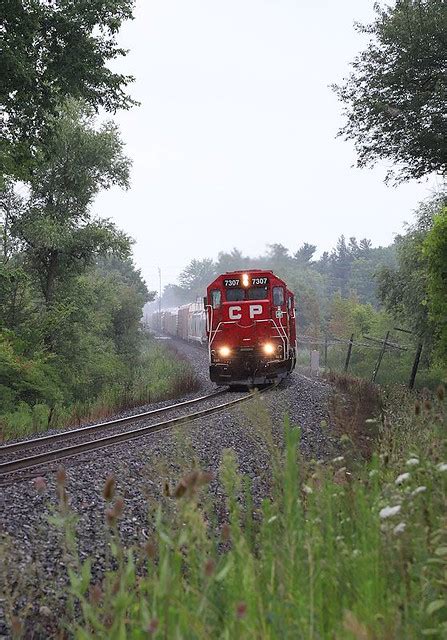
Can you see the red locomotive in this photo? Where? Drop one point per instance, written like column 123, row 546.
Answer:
column 250, row 327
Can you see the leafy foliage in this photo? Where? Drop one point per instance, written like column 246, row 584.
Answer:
column 71, row 297
column 53, row 51
column 395, row 96
column 404, row 290
column 435, row 251
column 53, row 226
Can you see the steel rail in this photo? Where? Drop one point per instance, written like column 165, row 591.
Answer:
column 65, row 435
column 101, row 443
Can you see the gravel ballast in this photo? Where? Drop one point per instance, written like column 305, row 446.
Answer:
column 34, row 563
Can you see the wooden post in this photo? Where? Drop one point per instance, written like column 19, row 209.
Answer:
column 348, row 355
column 417, row 357
column 382, row 351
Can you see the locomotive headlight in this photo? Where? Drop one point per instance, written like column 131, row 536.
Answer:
column 245, row 279
column 269, row 348
column 224, row 352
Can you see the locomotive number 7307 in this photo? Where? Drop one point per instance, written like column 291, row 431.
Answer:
column 255, row 282
column 259, row 281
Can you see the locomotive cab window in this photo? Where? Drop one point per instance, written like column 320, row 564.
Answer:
column 257, row 293
column 216, row 298
column 278, row 296
column 235, row 295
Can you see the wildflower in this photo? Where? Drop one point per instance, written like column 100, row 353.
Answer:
column 109, row 487
column 153, row 626
column 389, row 512
column 209, row 567
column 116, row 586
column 355, row 553
column 241, row 610
column 61, row 476
column 307, row 489
column 226, row 532
column 95, row 595
column 341, row 476
column 418, row 490
column 150, row 549
column 191, row 482
column 442, row 466
column 412, row 462
column 40, row 484
column 166, row 489
column 402, row 478
column 118, row 507
column 110, row 517
column 16, row 627
column 399, row 528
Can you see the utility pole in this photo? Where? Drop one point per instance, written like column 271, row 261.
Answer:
column 159, row 296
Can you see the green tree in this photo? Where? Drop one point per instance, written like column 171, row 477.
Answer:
column 303, row 256
column 232, row 261
column 404, row 291
column 395, row 96
column 278, row 256
column 58, row 236
column 52, row 51
column 435, row 251
column 196, row 276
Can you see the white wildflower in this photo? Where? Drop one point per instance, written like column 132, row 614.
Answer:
column 402, row 478
column 389, row 512
column 442, row 466
column 307, row 489
column 355, row 553
column 418, row 490
column 399, row 528
column 412, row 462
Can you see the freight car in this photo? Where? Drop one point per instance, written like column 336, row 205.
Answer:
column 187, row 322
column 251, row 328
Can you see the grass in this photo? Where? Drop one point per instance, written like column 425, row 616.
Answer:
column 161, row 373
column 355, row 548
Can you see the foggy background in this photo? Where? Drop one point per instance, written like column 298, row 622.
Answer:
column 234, row 142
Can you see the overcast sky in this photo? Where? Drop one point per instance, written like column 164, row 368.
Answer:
column 234, row 142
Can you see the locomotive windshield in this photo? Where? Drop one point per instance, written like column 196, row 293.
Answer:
column 237, row 294
column 257, row 293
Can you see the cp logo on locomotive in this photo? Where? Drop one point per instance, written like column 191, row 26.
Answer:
column 235, row 312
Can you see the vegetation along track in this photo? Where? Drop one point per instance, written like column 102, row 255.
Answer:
column 81, row 445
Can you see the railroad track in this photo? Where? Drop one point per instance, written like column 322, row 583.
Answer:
column 43, row 457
